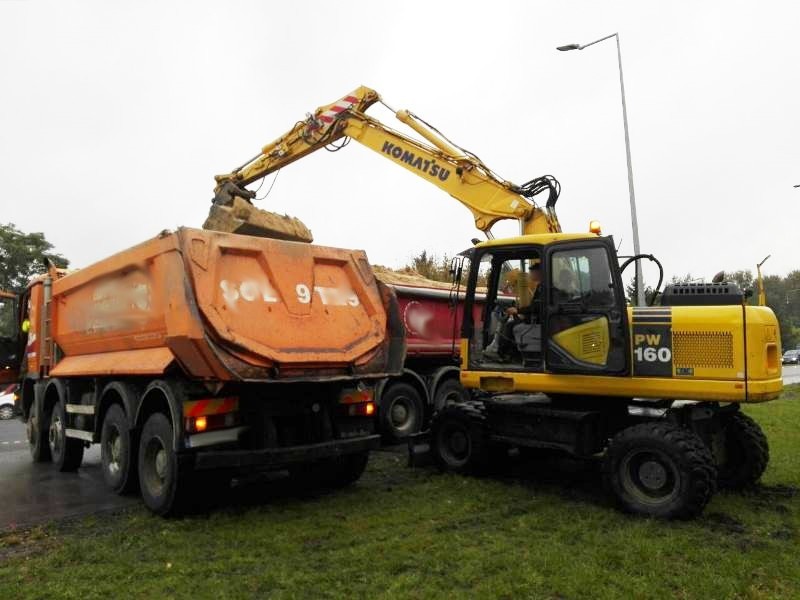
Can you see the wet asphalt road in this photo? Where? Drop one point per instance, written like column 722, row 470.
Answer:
column 35, row 493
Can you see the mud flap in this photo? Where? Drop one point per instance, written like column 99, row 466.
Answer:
column 419, row 449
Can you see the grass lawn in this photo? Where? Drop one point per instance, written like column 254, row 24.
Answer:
column 545, row 531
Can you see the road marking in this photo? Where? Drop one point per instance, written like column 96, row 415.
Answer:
column 14, row 442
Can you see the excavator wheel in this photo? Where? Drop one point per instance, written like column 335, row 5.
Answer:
column 661, row 470
column 746, row 453
column 458, row 438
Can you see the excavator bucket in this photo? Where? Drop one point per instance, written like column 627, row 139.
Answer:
column 244, row 218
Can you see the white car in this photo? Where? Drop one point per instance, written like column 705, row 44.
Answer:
column 7, row 409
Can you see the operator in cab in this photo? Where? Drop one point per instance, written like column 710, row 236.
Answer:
column 504, row 347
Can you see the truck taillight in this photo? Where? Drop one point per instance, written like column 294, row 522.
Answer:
column 210, row 413
column 362, row 409
column 358, row 402
column 210, row 422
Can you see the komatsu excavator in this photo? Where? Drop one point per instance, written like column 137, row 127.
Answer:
column 655, row 390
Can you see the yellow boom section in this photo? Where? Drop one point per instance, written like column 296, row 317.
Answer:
column 457, row 172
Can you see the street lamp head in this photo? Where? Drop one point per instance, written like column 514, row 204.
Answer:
column 569, row 47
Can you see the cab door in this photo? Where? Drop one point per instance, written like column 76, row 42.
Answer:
column 10, row 352
column 586, row 327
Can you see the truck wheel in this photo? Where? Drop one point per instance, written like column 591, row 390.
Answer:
column 746, row 453
column 401, row 412
column 37, row 436
column 116, row 452
column 450, row 392
column 661, row 470
column 348, row 469
column 458, row 438
column 66, row 453
column 164, row 486
column 6, row 412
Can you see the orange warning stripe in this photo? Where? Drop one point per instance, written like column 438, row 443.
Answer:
column 210, row 406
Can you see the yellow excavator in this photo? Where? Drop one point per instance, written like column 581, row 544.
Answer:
column 655, row 390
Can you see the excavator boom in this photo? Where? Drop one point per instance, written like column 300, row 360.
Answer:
column 459, row 173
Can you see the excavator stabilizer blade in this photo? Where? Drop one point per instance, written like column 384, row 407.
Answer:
column 244, row 218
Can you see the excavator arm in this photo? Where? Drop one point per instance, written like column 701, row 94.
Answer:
column 454, row 170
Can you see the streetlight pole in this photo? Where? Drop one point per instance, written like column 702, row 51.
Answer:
column 640, row 299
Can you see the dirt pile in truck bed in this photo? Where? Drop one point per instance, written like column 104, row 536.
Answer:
column 407, row 277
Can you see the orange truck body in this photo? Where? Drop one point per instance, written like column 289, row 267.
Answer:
column 260, row 352
column 221, row 307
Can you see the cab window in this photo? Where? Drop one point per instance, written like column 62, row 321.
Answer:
column 8, row 327
column 581, row 275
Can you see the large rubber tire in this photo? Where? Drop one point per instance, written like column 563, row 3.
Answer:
column 118, row 452
column 450, row 392
column 459, row 440
column 659, row 469
column 746, row 453
column 348, row 469
column 37, row 436
column 165, row 486
column 401, row 412
column 66, row 453
column 6, row 412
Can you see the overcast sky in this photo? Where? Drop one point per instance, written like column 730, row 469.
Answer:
column 114, row 117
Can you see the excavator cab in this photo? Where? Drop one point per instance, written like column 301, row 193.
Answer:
column 568, row 313
column 10, row 354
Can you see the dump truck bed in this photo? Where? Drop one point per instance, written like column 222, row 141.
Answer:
column 227, row 307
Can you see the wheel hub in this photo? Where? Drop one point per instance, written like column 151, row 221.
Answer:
column 653, row 475
column 55, row 435
column 161, row 463
column 458, row 443
column 650, row 476
column 114, row 452
column 399, row 414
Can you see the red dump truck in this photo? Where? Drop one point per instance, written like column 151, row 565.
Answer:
column 197, row 354
column 431, row 318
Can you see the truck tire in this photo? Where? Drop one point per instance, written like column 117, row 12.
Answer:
column 660, row 470
column 6, row 412
column 37, row 436
column 458, row 438
column 450, row 392
column 401, row 412
column 348, row 469
column 117, row 452
column 746, row 453
column 165, row 487
column 66, row 453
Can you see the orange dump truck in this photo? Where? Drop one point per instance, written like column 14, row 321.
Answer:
column 197, row 354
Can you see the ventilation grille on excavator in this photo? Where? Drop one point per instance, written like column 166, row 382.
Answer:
column 702, row 349
column 592, row 344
